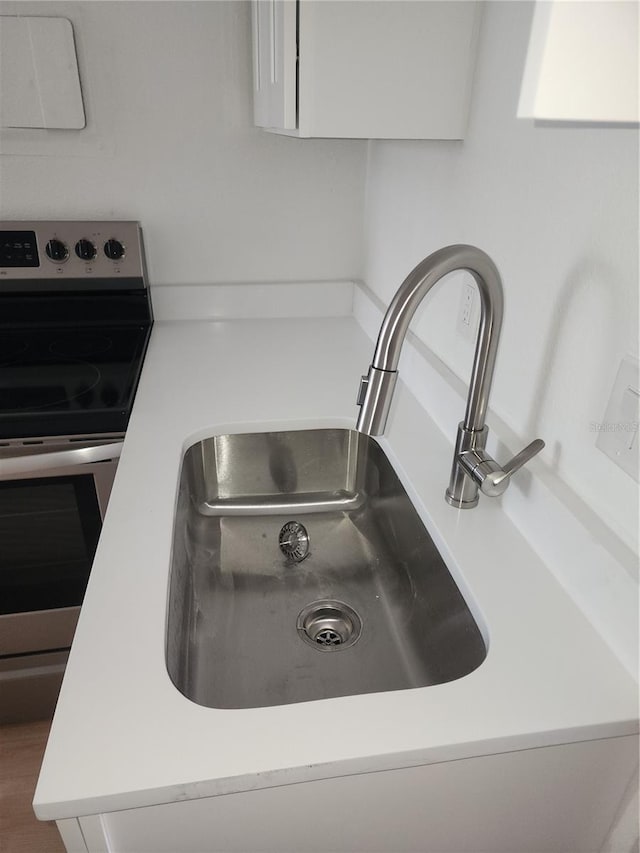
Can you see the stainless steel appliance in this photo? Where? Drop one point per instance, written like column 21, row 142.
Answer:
column 75, row 320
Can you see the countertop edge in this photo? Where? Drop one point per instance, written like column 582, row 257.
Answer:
column 205, row 789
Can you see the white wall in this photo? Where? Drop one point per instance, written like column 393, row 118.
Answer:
column 557, row 209
column 170, row 141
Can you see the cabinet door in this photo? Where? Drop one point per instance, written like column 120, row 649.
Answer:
column 582, row 64
column 386, row 69
column 275, row 52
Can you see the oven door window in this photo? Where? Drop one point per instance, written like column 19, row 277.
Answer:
column 49, row 529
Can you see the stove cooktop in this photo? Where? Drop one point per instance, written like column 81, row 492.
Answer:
column 68, row 381
column 73, row 333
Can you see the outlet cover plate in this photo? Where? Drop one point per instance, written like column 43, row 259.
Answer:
column 618, row 432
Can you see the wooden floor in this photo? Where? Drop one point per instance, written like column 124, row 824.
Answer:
column 21, row 749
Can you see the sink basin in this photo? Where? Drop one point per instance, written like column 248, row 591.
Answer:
column 300, row 570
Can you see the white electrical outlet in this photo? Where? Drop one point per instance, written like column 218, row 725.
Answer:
column 467, row 324
column 618, row 432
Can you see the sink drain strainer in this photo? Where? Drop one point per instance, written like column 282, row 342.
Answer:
column 329, row 625
column 294, row 541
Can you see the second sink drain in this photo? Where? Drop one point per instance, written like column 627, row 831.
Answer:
column 329, row 625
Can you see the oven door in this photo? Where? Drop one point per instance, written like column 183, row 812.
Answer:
column 52, row 501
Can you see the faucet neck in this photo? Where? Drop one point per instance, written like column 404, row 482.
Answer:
column 411, row 293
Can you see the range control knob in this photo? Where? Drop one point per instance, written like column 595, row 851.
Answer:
column 56, row 251
column 114, row 250
column 86, row 250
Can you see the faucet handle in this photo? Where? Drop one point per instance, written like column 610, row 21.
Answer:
column 523, row 457
column 491, row 478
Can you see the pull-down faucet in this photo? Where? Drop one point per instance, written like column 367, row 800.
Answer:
column 472, row 468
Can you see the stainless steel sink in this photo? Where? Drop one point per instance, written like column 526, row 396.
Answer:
column 301, row 570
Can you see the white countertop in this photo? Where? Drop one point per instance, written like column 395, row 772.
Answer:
column 123, row 736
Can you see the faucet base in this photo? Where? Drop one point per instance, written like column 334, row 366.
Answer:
column 460, row 503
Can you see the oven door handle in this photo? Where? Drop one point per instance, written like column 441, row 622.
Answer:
column 58, row 459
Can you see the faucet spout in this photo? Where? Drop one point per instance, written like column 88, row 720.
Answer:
column 376, row 388
column 375, row 406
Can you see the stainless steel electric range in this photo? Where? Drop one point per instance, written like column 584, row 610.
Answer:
column 75, row 320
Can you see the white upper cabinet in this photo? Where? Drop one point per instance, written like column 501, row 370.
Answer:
column 582, row 63
column 275, row 49
column 368, row 69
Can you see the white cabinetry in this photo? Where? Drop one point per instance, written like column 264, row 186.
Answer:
column 555, row 799
column 582, row 63
column 377, row 69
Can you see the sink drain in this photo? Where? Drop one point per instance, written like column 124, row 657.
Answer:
column 294, row 541
column 329, row 625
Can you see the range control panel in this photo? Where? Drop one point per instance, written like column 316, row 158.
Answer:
column 19, row 249
column 32, row 253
